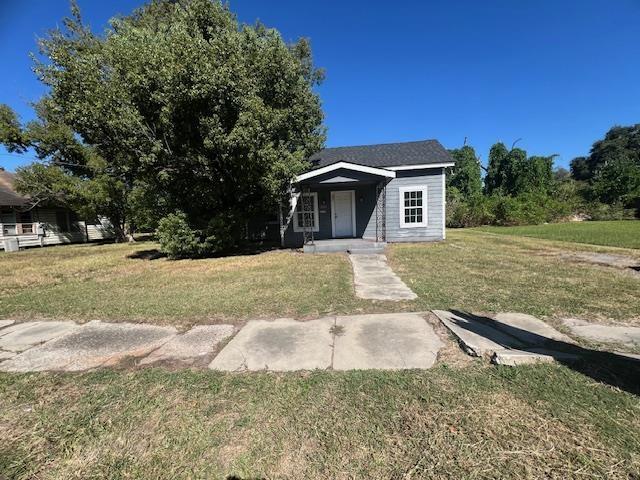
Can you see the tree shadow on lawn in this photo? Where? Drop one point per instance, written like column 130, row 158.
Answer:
column 244, row 250
column 614, row 369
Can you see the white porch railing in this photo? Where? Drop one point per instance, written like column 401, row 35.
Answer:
column 17, row 229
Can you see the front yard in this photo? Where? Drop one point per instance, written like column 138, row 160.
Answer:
column 461, row 419
column 472, row 270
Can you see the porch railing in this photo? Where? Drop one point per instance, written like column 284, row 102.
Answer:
column 15, row 229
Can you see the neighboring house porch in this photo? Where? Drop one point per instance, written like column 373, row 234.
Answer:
column 23, row 225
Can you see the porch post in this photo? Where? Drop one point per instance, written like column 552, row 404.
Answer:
column 381, row 211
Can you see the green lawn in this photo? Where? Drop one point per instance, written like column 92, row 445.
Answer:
column 624, row 233
column 471, row 422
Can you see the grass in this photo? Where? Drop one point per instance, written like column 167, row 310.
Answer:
column 612, row 233
column 85, row 282
column 472, row 270
column 481, row 272
column 472, row 422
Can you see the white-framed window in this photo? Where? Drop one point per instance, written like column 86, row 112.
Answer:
column 413, row 206
column 298, row 217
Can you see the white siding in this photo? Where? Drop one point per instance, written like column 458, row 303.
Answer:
column 79, row 232
column 434, row 230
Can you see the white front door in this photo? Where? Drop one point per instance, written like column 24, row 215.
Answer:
column 343, row 220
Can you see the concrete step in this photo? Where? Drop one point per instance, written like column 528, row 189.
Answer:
column 366, row 251
column 356, row 246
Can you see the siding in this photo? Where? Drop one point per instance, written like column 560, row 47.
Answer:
column 433, row 180
column 80, row 232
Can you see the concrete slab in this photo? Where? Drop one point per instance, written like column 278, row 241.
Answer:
column 93, row 345
column 528, row 328
column 374, row 279
column 34, row 334
column 16, row 327
column 4, row 355
column 513, row 357
column 189, row 347
column 476, row 337
column 6, row 323
column 279, row 345
column 604, row 333
column 390, row 342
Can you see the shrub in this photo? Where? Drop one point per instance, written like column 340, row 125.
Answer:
column 178, row 240
column 176, row 237
column 603, row 211
column 471, row 212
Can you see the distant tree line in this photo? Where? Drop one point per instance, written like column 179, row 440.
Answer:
column 518, row 189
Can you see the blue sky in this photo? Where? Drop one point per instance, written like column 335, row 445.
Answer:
column 556, row 74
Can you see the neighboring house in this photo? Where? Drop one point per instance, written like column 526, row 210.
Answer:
column 382, row 193
column 40, row 226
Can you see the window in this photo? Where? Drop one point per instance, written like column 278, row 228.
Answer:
column 298, row 222
column 413, row 207
column 24, row 219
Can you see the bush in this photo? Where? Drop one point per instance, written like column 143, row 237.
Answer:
column 471, row 212
column 603, row 211
column 176, row 237
column 178, row 240
column 525, row 209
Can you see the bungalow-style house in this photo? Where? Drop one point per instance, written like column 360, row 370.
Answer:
column 22, row 225
column 362, row 197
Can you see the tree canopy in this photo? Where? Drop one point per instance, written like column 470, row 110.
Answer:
column 612, row 169
column 175, row 107
column 466, row 177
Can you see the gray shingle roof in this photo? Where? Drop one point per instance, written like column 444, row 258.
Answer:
column 8, row 196
column 384, row 155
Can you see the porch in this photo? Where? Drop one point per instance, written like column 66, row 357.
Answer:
column 340, row 208
column 348, row 245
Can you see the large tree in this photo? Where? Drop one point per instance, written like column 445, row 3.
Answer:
column 466, row 175
column 612, row 168
column 175, row 107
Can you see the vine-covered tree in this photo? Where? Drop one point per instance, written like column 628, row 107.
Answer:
column 466, row 176
column 175, row 107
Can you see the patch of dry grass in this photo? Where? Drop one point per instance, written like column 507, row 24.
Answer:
column 483, row 272
column 471, row 422
column 84, row 282
column 472, row 270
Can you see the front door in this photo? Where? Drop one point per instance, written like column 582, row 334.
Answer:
column 343, row 213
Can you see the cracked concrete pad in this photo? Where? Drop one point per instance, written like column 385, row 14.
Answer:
column 520, row 357
column 33, row 334
column 280, row 345
column 388, row 341
column 6, row 323
column 6, row 355
column 374, row 279
column 528, row 328
column 475, row 336
column 93, row 345
column 603, row 333
column 17, row 327
column 197, row 343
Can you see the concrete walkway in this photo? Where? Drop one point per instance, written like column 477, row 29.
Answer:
column 379, row 341
column 97, row 344
column 386, row 341
column 374, row 279
column 393, row 341
column 625, row 335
